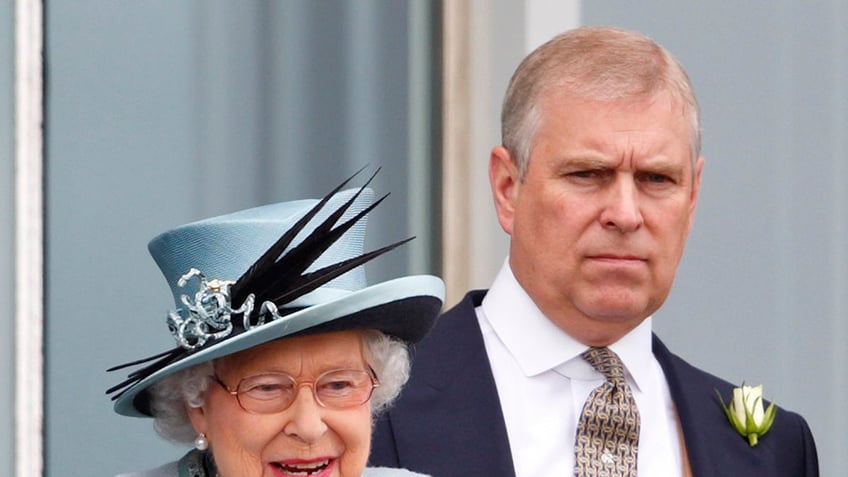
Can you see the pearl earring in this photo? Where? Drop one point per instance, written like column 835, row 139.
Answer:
column 200, row 442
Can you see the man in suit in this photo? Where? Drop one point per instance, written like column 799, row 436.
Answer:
column 596, row 183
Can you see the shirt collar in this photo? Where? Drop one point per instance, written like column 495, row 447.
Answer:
column 636, row 352
column 538, row 345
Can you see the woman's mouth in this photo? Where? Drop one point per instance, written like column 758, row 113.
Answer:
column 302, row 468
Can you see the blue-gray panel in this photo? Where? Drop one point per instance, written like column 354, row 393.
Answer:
column 7, row 236
column 164, row 112
column 118, row 126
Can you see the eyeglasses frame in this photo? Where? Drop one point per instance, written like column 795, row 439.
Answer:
column 375, row 383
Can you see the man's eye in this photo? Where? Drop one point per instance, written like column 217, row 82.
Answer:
column 656, row 178
column 589, row 174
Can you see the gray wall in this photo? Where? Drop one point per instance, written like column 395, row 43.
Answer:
column 7, row 234
column 761, row 293
column 164, row 112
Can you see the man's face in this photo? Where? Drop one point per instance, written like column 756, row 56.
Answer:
column 599, row 223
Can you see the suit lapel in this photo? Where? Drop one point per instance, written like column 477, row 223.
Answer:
column 697, row 454
column 713, row 447
column 451, row 403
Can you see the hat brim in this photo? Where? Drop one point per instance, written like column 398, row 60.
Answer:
column 405, row 308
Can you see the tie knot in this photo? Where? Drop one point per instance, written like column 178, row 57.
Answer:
column 606, row 362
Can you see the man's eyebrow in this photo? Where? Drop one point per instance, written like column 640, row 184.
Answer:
column 661, row 165
column 588, row 160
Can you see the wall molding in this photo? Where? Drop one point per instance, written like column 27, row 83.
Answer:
column 29, row 243
column 483, row 42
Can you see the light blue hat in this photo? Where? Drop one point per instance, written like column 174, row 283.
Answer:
column 246, row 278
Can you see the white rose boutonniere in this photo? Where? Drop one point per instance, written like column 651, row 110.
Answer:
column 746, row 414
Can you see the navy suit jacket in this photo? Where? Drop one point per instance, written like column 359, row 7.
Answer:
column 448, row 420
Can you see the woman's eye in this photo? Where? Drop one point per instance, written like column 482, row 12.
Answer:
column 266, row 388
column 337, row 386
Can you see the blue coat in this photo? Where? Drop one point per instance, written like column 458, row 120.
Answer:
column 448, row 420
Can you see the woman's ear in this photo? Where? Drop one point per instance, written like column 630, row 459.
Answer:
column 197, row 415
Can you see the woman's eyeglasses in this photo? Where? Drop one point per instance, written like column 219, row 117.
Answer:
column 274, row 392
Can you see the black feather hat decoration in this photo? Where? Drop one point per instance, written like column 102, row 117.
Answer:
column 308, row 280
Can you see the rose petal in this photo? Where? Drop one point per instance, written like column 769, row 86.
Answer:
column 754, row 403
column 738, row 405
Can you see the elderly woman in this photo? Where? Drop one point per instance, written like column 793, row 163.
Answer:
column 283, row 353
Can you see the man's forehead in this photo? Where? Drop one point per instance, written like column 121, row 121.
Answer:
column 561, row 106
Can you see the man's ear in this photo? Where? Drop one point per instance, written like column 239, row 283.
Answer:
column 505, row 183
column 696, row 189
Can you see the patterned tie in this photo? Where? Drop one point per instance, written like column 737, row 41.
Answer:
column 608, row 432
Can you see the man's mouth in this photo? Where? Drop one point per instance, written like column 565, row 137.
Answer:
column 616, row 258
column 302, row 469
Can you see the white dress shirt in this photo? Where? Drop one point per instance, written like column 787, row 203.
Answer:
column 543, row 383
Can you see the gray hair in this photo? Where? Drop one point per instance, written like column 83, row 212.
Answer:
column 388, row 357
column 597, row 63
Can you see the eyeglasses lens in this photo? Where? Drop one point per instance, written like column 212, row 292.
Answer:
column 338, row 389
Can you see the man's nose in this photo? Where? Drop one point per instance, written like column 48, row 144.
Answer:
column 621, row 208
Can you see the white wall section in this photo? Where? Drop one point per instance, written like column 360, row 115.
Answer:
column 29, row 227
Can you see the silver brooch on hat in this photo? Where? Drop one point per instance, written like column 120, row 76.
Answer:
column 209, row 314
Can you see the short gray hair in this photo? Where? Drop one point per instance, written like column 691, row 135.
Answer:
column 388, row 357
column 597, row 63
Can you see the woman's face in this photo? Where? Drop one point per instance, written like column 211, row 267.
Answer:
column 305, row 438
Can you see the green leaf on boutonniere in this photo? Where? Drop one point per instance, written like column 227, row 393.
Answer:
column 746, row 414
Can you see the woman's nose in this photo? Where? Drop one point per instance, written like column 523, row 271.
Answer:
column 305, row 417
